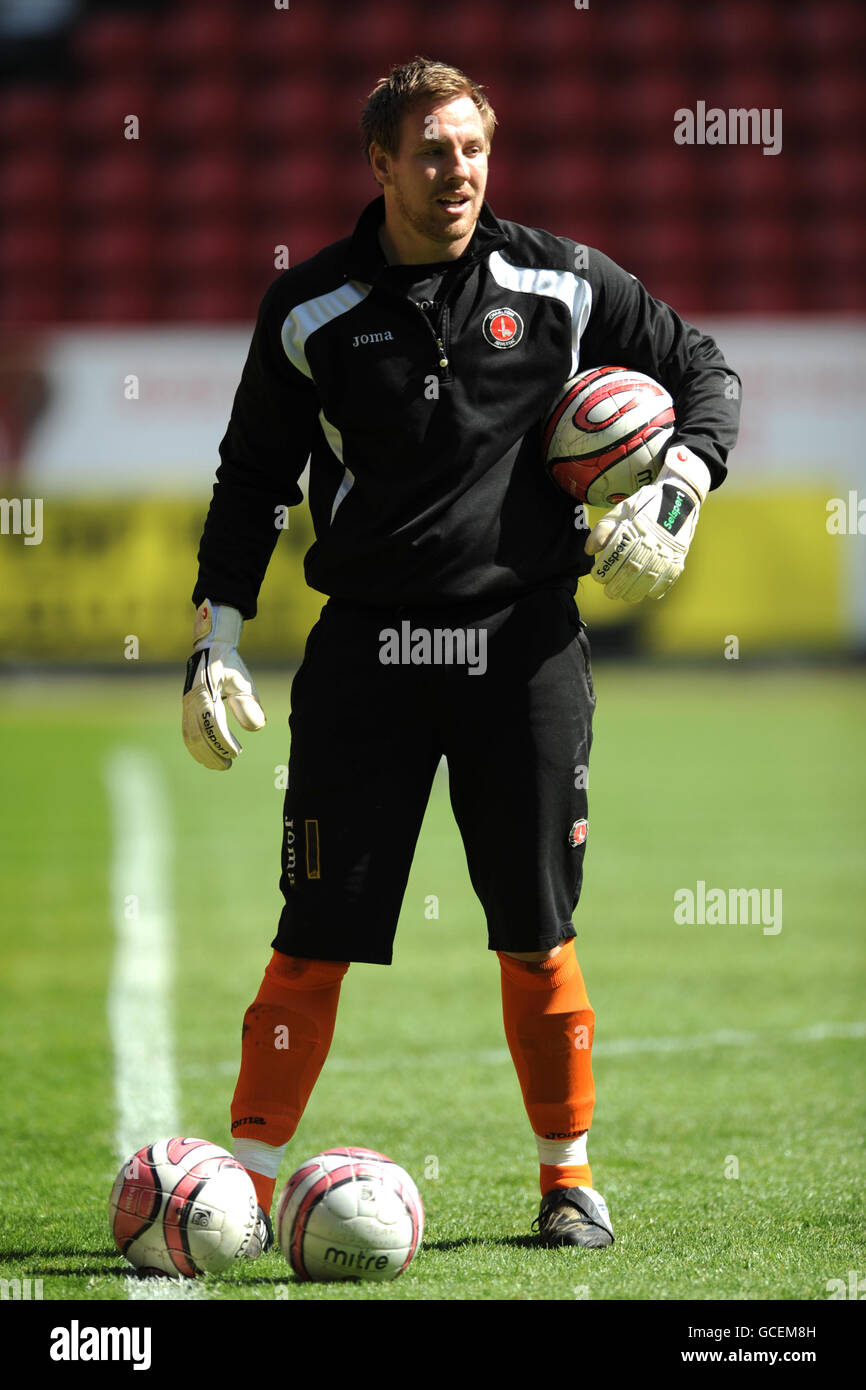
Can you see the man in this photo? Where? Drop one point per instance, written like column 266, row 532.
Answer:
column 414, row 362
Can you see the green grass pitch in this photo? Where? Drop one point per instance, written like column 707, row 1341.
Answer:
column 728, row 1135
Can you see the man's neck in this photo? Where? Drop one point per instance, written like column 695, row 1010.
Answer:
column 393, row 256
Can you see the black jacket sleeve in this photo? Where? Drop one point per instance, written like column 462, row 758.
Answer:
column 627, row 326
column 264, row 452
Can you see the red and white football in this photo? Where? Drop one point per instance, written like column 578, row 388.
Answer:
column 349, row 1214
column 182, row 1207
column 606, row 434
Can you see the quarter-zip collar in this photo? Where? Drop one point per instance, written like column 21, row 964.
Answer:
column 366, row 261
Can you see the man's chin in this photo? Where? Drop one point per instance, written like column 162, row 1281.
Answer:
column 458, row 231
column 455, row 231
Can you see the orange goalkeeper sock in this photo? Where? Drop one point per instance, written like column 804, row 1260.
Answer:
column 563, row 1168
column 263, row 1185
column 549, row 1026
column 286, row 1036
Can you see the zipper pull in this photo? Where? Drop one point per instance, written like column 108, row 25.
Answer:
column 443, row 360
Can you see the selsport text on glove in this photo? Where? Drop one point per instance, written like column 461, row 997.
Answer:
column 641, row 545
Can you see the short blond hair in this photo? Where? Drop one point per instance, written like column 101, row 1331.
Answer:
column 406, row 85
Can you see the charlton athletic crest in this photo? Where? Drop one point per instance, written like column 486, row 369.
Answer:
column 503, row 328
column 577, row 834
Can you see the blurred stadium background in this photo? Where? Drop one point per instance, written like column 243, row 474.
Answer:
column 145, row 258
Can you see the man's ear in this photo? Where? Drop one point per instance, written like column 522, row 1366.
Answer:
column 380, row 164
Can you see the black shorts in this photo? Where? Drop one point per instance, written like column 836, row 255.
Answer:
column 506, row 696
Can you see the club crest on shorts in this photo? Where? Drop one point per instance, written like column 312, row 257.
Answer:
column 503, row 328
column 577, row 834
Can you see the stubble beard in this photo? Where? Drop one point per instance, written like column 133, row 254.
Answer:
column 426, row 224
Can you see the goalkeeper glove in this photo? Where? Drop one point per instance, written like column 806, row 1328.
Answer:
column 215, row 669
column 641, row 545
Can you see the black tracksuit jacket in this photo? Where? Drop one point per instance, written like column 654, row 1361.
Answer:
column 423, row 425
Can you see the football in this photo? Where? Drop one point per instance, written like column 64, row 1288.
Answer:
column 349, row 1214
column 606, row 433
column 182, row 1207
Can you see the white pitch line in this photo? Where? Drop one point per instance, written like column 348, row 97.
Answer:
column 164, row 1290
column 142, row 1037
column 138, row 1001
column 630, row 1047
column 617, row 1047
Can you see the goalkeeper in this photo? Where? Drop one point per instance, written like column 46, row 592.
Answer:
column 412, row 364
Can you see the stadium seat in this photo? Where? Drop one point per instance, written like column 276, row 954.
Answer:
column 345, row 104
column 837, row 177
column 123, row 249
column 747, row 88
column 662, row 245
column 119, row 44
column 201, row 252
column 124, row 180
column 641, row 34
column 355, row 189
column 34, row 301
column 203, row 185
column 292, row 43
column 767, row 246
column 567, row 118
column 31, row 118
column 646, row 117
column 828, row 33
column 305, row 236
column 33, row 186
column 248, row 119
column 96, row 117
column 538, row 179
column 728, row 176
column 31, row 249
column 661, row 179
column 686, row 291
column 118, row 301
column 503, row 185
column 206, row 302
column 296, row 184
column 286, row 110
column 837, row 101
column 728, row 33
column 202, row 38
column 474, row 33
column 553, row 38
column 203, row 114
column 839, row 242
column 259, row 256
column 840, row 295
column 761, row 294
column 363, row 35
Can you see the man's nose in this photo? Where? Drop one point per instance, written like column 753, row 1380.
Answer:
column 457, row 166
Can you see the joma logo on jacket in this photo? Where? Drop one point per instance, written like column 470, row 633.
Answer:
column 362, row 339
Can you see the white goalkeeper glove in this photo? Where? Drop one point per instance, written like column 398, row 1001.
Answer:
column 641, row 545
column 215, row 669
